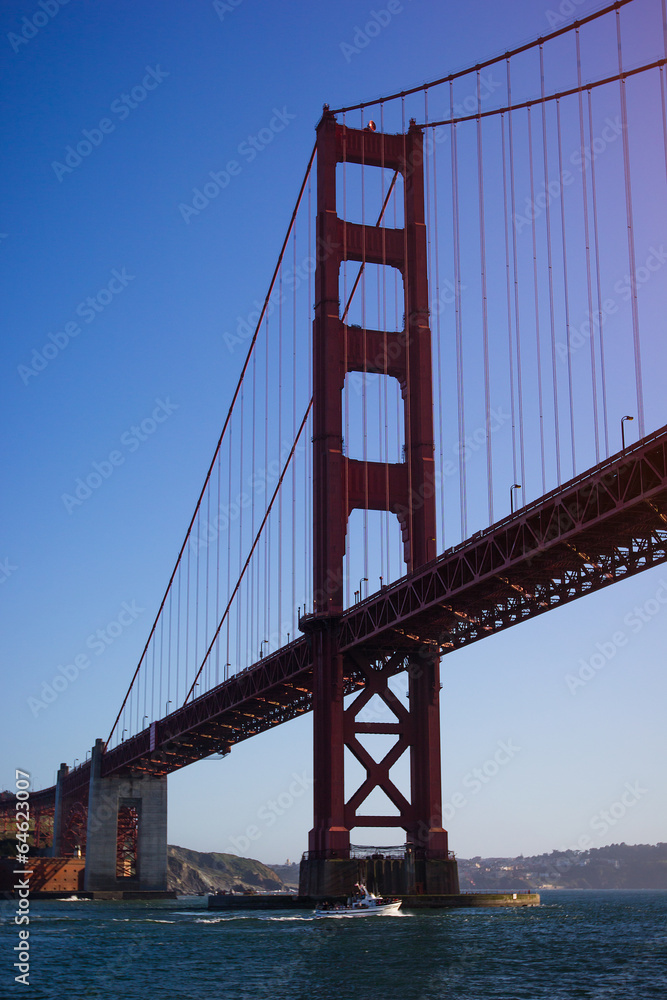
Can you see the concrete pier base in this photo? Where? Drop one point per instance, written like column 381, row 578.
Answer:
column 230, row 901
column 148, row 796
column 58, row 818
column 321, row 878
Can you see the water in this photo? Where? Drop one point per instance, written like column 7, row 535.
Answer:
column 603, row 945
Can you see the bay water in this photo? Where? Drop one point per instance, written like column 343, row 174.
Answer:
column 584, row 944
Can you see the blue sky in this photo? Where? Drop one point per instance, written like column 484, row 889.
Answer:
column 133, row 301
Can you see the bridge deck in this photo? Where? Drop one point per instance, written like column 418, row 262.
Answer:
column 603, row 526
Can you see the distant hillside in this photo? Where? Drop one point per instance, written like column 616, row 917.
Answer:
column 619, row 866
column 288, row 873
column 196, row 871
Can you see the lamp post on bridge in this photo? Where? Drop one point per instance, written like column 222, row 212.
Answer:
column 623, row 419
column 516, row 486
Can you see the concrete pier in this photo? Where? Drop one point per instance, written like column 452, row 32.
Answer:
column 58, row 818
column 233, row 901
column 107, row 795
column 321, row 878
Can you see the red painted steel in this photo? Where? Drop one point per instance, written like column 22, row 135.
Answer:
column 608, row 524
column 340, row 485
column 601, row 527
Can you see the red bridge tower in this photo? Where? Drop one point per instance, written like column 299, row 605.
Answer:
column 407, row 489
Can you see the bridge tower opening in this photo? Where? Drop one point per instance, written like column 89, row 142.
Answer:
column 407, row 489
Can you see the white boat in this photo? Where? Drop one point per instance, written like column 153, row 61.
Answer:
column 362, row 904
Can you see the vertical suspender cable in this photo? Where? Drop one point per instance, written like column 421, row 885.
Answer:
column 397, row 389
column 196, row 541
column 267, row 536
column 566, row 288
column 253, row 435
column 384, row 394
column 346, row 389
column 663, row 83
column 217, row 571
column 223, row 432
column 160, row 701
column 239, row 609
column 253, row 546
column 552, row 320
column 438, row 311
column 186, row 665
column 208, row 563
column 584, row 192
column 364, row 336
column 509, row 300
column 459, row 329
column 598, row 284
column 631, row 236
column 294, row 471
column 664, row 112
column 161, row 651
column 178, row 637
column 229, row 547
column 168, row 651
column 294, row 383
column 308, row 548
column 408, row 375
column 429, row 177
column 155, row 711
column 485, row 317
column 280, row 446
column 536, row 296
column 517, row 324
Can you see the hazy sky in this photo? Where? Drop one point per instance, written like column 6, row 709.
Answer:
column 132, row 300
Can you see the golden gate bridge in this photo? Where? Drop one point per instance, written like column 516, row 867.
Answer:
column 434, row 453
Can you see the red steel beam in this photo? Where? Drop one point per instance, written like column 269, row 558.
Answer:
column 615, row 516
